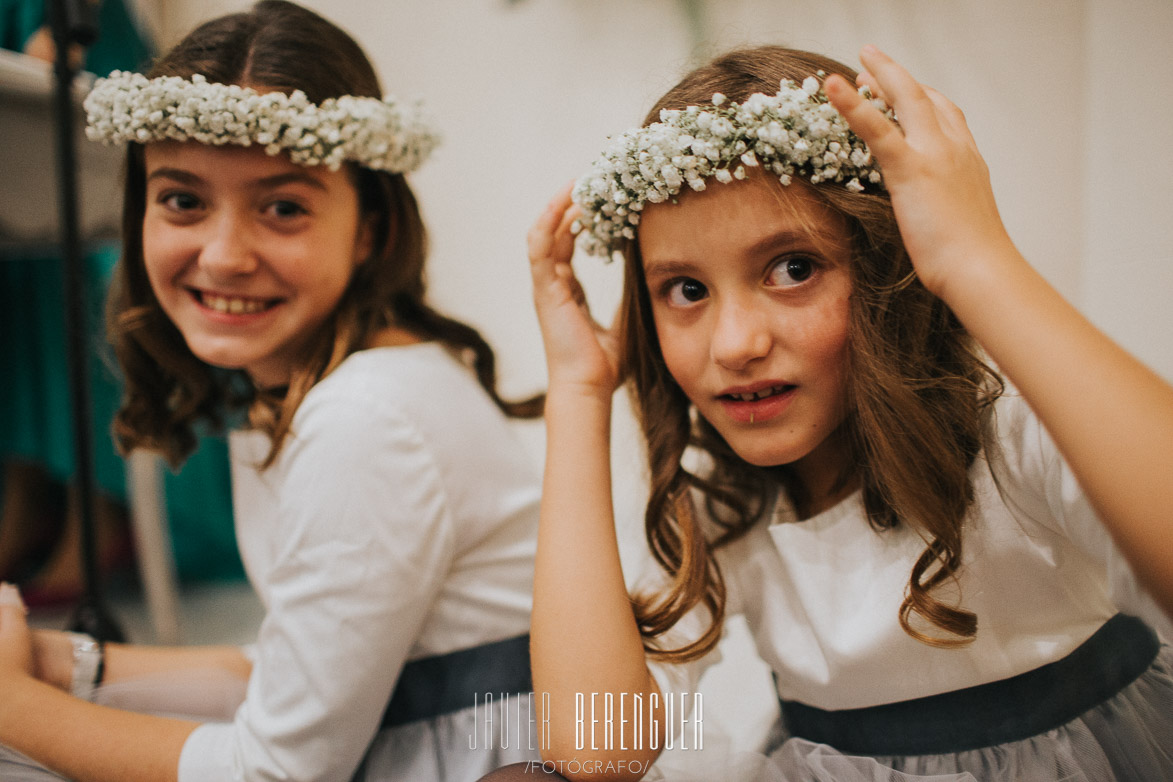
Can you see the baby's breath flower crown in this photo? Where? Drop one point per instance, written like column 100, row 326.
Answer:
column 795, row 132
column 378, row 134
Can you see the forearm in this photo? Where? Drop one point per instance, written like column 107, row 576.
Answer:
column 125, row 662
column 585, row 638
column 1111, row 417
column 89, row 743
column 53, row 653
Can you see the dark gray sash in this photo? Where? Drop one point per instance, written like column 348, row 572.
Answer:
column 450, row 682
column 995, row 713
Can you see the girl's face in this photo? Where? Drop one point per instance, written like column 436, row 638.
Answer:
column 749, row 284
column 248, row 253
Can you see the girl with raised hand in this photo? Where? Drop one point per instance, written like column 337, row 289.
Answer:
column 386, row 512
column 872, row 428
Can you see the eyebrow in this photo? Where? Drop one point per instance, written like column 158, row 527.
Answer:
column 277, row 180
column 771, row 242
column 178, row 174
column 668, row 269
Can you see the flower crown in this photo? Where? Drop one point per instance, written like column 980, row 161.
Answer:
column 795, row 131
column 376, row 134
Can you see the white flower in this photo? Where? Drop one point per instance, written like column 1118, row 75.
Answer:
column 793, row 132
column 722, row 128
column 374, row 133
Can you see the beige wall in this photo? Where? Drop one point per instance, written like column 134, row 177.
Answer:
column 527, row 91
column 1126, row 227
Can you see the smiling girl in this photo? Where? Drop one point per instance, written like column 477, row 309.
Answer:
column 933, row 562
column 386, row 512
column 250, row 254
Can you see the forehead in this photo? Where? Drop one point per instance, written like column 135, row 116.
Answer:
column 739, row 217
column 235, row 166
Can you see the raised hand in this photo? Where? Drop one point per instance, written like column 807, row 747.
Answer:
column 938, row 181
column 1111, row 416
column 579, row 352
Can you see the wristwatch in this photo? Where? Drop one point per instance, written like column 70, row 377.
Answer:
column 89, row 665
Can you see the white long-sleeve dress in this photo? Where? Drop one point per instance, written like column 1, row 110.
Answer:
column 821, row 597
column 391, row 544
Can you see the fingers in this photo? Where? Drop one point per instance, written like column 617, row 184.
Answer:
column 928, row 120
column 545, row 229
column 565, row 274
column 947, row 112
column 903, row 93
column 549, row 240
column 568, row 218
column 949, row 115
column 865, row 79
column 10, row 599
column 12, row 610
column 881, row 135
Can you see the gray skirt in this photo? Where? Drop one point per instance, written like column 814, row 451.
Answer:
column 1102, row 714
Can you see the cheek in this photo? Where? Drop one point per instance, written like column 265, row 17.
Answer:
column 827, row 338
column 825, row 343
column 326, row 259
column 684, row 353
column 162, row 255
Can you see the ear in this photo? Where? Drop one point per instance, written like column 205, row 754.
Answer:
column 365, row 239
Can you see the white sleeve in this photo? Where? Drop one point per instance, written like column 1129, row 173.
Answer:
column 366, row 540
column 1030, row 451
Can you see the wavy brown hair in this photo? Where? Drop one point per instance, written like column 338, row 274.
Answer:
column 169, row 392
column 918, row 391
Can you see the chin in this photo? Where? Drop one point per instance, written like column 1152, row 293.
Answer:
column 221, row 359
column 761, row 454
column 765, row 460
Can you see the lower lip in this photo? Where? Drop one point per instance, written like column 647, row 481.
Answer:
column 759, row 410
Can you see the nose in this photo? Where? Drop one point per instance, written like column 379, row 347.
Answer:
column 741, row 334
column 227, row 250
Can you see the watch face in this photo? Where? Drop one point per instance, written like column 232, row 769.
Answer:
column 89, row 665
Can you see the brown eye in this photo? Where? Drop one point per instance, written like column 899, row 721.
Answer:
column 180, row 202
column 687, row 291
column 286, row 209
column 791, row 271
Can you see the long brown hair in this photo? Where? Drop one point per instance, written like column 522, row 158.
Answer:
column 917, row 394
column 170, row 392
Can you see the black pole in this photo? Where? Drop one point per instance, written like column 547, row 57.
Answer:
column 73, row 24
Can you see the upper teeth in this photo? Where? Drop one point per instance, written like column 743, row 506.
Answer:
column 233, row 305
column 759, row 394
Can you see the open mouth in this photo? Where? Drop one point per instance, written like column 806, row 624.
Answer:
column 759, row 406
column 757, row 395
column 233, row 305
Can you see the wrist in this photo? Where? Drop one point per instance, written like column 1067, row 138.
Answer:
column 576, row 406
column 978, row 274
column 89, row 665
column 571, row 392
column 53, row 658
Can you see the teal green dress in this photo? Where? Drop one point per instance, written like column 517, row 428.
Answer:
column 35, row 419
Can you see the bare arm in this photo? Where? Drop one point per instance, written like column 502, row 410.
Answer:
column 1111, row 417
column 584, row 636
column 105, row 745
column 53, row 659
